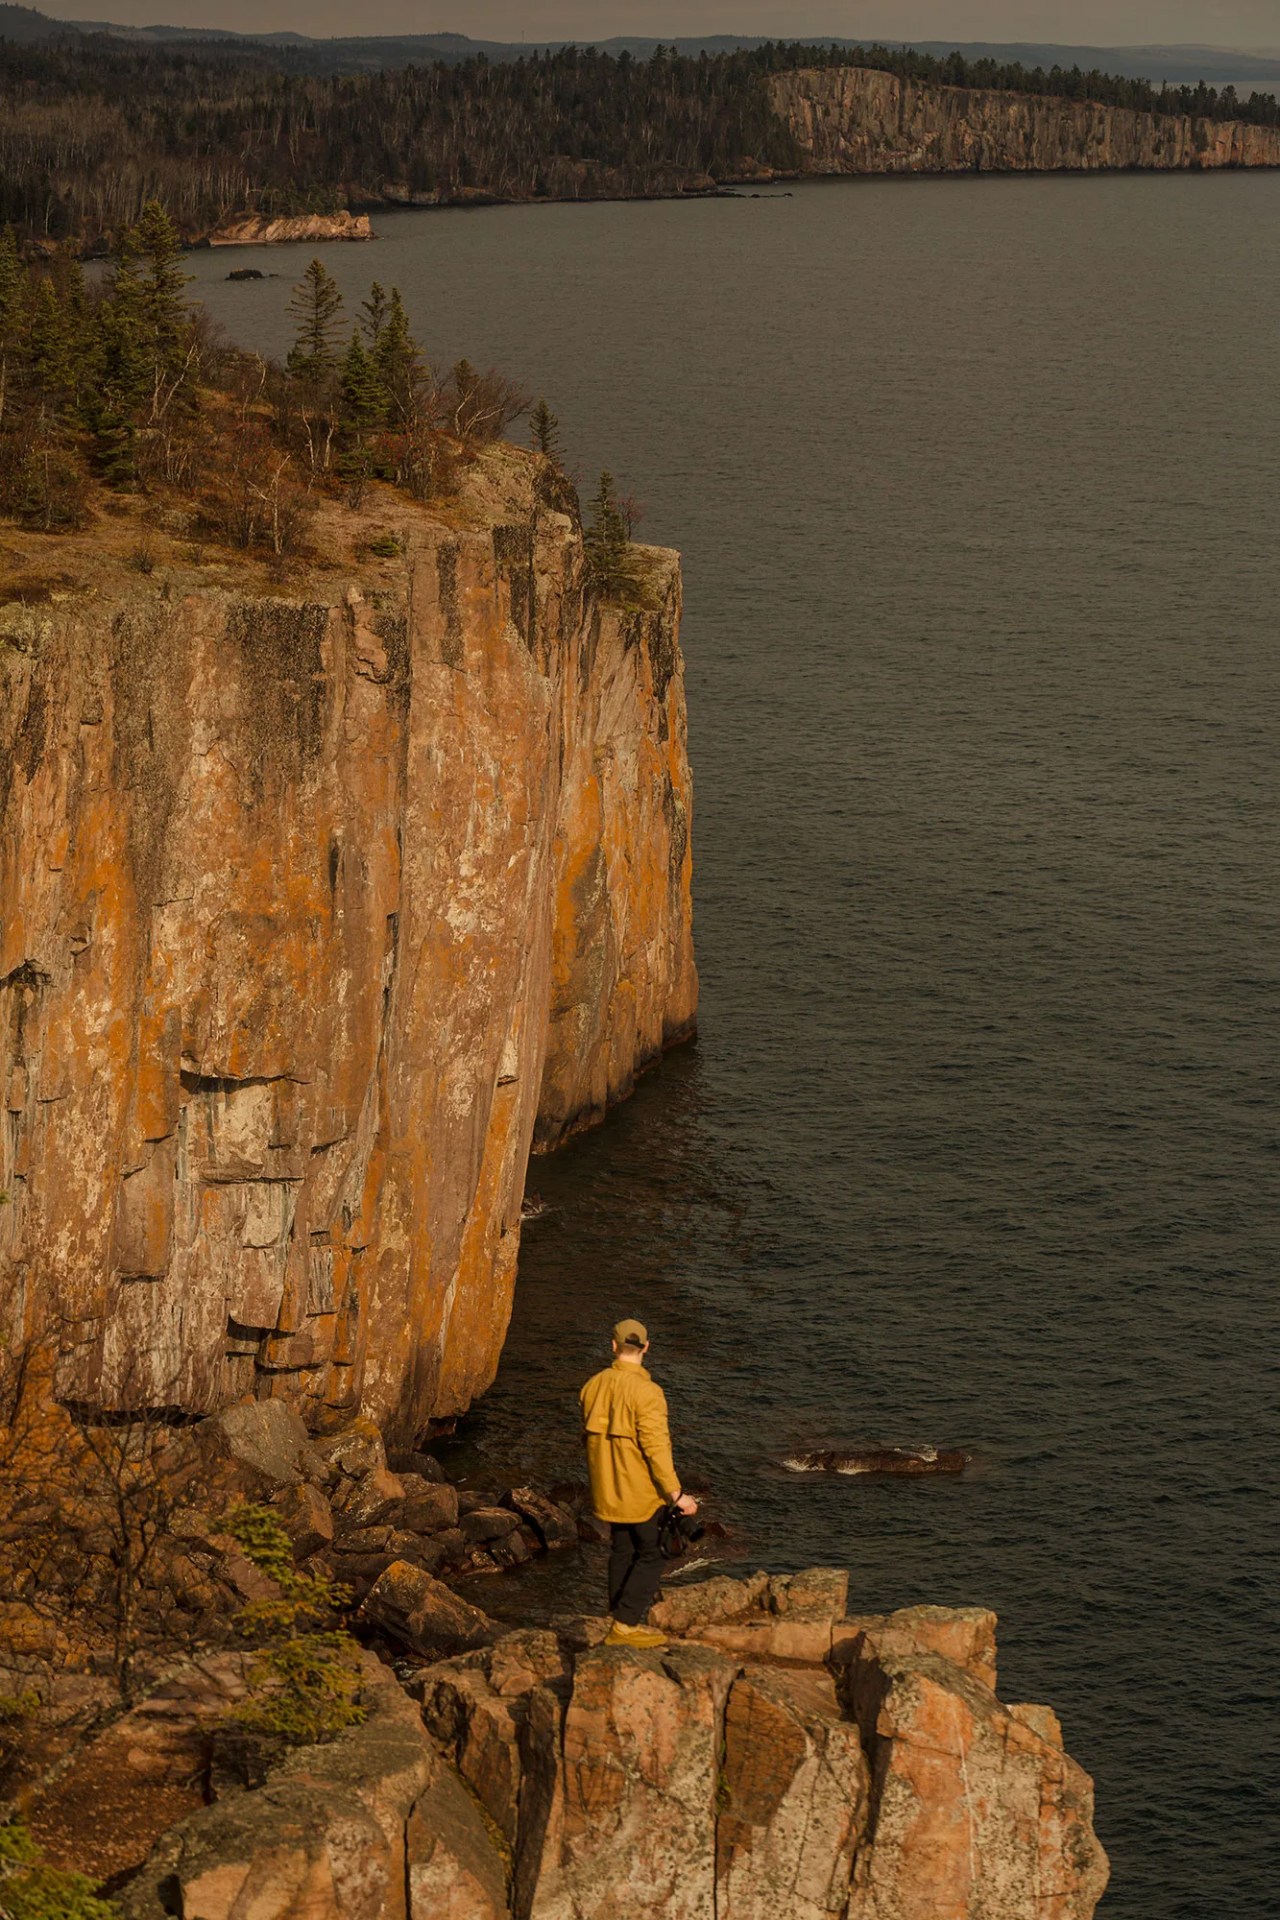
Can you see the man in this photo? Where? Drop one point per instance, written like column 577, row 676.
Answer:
column 633, row 1480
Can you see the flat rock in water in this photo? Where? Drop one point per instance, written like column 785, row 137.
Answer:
column 898, row 1460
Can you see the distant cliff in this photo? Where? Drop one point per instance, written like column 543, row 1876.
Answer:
column 262, row 229
column 857, row 120
column 315, row 903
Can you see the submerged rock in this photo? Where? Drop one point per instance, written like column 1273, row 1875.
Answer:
column 905, row 1460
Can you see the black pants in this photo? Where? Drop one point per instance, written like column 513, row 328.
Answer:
column 635, row 1569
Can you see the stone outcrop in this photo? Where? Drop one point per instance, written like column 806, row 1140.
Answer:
column 315, row 904
column 268, row 229
column 856, row 120
column 555, row 1778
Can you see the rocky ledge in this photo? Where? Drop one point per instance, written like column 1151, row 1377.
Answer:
column 780, row 1757
column 263, row 229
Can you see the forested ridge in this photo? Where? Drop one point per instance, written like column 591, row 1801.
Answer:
column 91, row 130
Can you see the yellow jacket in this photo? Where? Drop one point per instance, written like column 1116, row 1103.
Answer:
column 624, row 1418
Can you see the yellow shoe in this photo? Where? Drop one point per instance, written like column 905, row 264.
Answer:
column 624, row 1636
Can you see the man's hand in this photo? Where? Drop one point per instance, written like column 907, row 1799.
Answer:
column 686, row 1503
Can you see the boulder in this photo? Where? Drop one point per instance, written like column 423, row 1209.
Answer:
column 577, row 1632
column 257, row 1447
column 520, row 1661
column 282, row 1852
column 793, row 1800
column 413, row 1464
column 430, row 1511
column 766, row 1637
column 975, row 1815
column 353, row 1452
column 511, row 1551
column 364, row 1539
column 554, row 1525
column 423, row 1549
column 306, row 1517
column 488, row 1523
column 414, row 1608
column 786, row 1617
column 365, row 1501
column 449, row 1547
column 358, row 1571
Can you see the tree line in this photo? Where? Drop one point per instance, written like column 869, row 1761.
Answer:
column 92, row 130
column 120, row 383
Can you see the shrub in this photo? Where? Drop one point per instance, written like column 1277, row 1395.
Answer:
column 30, row 1890
column 307, row 1674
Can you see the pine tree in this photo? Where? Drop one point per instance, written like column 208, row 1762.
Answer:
column 12, row 286
column 363, row 398
column 545, row 429
column 165, row 319
column 316, row 305
column 50, row 351
column 398, row 360
column 374, row 314
column 605, row 543
column 123, row 373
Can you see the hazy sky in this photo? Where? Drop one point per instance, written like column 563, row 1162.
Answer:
column 1243, row 24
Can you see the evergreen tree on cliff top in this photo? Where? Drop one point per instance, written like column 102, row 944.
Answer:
column 165, row 318
column 545, row 432
column 396, row 356
column 605, row 543
column 316, row 306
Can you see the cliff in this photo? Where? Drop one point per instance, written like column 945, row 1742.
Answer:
column 316, row 904
column 857, row 120
column 262, row 229
column 777, row 1761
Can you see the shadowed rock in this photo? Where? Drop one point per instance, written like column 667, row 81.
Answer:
column 905, row 1460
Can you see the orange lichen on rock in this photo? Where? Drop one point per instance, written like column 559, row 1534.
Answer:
column 294, row 957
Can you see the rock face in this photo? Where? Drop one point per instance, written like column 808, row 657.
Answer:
column 855, row 120
column 565, row 1780
column 262, row 229
column 313, row 907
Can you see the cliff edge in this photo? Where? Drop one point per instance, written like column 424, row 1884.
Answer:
column 778, row 1760
column 858, row 120
column 317, row 903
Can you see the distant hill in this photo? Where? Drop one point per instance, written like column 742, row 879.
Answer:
column 24, row 25
column 1179, row 65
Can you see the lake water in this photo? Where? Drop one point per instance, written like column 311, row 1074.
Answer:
column 976, row 484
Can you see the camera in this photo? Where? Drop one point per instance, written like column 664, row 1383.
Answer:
column 679, row 1530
